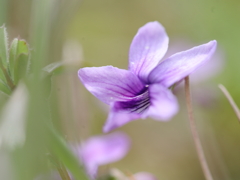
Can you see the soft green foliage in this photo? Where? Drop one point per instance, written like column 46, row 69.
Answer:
column 4, row 46
column 18, row 59
column 3, row 82
column 3, row 60
column 65, row 155
column 4, row 87
column 21, row 67
column 54, row 68
column 14, row 63
column 14, row 66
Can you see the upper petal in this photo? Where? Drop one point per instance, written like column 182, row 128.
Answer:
column 110, row 84
column 163, row 103
column 101, row 150
column 182, row 64
column 148, row 47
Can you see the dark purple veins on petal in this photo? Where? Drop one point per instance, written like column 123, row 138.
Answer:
column 138, row 104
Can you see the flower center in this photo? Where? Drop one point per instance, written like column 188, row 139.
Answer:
column 139, row 103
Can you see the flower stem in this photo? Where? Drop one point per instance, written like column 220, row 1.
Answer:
column 60, row 167
column 195, row 135
column 231, row 101
column 63, row 173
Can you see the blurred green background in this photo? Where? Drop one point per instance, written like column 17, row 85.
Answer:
column 99, row 33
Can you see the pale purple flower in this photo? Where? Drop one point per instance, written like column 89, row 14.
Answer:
column 143, row 90
column 213, row 67
column 101, row 150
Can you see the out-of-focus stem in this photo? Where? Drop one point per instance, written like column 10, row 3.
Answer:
column 195, row 135
column 231, row 101
column 60, row 167
column 63, row 173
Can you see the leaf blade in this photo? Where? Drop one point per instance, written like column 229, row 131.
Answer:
column 4, row 46
column 65, row 155
column 18, row 59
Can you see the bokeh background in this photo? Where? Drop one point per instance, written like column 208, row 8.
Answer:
column 99, row 33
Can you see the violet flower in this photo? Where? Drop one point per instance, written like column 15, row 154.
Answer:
column 101, row 150
column 213, row 68
column 143, row 90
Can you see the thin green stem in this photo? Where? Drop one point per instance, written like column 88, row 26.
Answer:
column 231, row 101
column 60, row 167
column 195, row 135
column 63, row 173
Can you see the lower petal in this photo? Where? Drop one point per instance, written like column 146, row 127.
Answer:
column 102, row 150
column 163, row 103
column 119, row 117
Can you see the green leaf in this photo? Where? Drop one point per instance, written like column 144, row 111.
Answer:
column 4, row 46
column 54, row 68
column 2, row 76
column 22, row 47
column 18, row 60
column 4, row 88
column 21, row 68
column 48, row 72
column 13, row 57
column 66, row 156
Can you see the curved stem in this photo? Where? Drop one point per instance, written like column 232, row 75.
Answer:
column 231, row 101
column 60, row 168
column 195, row 135
column 63, row 173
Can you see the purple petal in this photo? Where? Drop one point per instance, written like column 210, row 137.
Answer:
column 102, row 150
column 147, row 49
column 110, row 84
column 163, row 103
column 144, row 176
column 182, row 64
column 118, row 117
column 213, row 67
column 124, row 112
column 156, row 101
